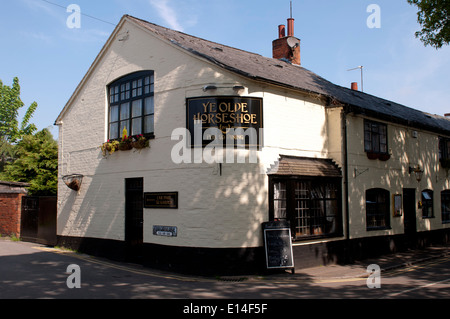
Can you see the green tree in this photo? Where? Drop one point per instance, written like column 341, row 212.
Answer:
column 434, row 17
column 36, row 164
column 10, row 104
column 10, row 132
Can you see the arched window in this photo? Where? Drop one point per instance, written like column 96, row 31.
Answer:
column 131, row 105
column 377, row 209
column 427, row 204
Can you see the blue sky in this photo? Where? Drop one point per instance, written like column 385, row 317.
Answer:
column 50, row 59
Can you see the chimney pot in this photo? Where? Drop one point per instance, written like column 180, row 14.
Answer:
column 355, row 86
column 281, row 31
column 290, row 27
column 287, row 47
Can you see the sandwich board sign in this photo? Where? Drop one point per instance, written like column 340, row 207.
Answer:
column 278, row 245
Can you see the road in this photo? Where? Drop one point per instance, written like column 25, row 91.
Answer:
column 32, row 271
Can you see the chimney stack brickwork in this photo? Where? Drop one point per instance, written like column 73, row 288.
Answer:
column 281, row 47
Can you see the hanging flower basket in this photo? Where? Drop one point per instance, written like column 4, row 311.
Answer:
column 140, row 142
column 445, row 162
column 125, row 146
column 384, row 157
column 73, row 181
column 126, row 143
column 372, row 155
column 109, row 147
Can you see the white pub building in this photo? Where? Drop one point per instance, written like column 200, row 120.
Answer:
column 219, row 141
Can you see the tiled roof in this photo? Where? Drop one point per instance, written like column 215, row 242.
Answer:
column 304, row 166
column 257, row 67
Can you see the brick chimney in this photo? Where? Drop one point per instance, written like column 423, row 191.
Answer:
column 287, row 47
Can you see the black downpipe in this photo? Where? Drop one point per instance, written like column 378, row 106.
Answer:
column 347, row 214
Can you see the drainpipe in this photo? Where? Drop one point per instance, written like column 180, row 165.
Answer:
column 347, row 215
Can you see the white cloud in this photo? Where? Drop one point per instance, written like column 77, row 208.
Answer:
column 167, row 13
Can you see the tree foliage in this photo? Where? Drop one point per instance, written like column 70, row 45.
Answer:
column 36, row 164
column 10, row 104
column 434, row 17
column 10, row 132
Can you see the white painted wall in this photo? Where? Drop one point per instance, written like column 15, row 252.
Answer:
column 214, row 211
column 393, row 175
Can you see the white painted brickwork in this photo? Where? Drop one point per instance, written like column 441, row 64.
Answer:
column 214, row 211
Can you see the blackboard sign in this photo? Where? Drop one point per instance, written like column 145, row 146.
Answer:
column 161, row 200
column 278, row 245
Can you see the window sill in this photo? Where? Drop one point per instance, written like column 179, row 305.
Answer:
column 379, row 156
column 150, row 136
column 314, row 237
column 378, row 228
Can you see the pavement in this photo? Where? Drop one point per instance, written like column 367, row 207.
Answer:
column 359, row 269
column 315, row 274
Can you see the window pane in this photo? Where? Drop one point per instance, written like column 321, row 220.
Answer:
column 279, row 209
column 114, row 113
column 149, row 126
column 124, row 124
column 122, row 92
column 426, row 195
column 114, row 131
column 377, row 208
column 445, row 205
column 111, row 95
column 149, row 105
column 279, row 205
column 125, row 111
column 137, row 108
column 137, row 126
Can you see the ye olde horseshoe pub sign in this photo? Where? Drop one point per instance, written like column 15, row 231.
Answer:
column 238, row 118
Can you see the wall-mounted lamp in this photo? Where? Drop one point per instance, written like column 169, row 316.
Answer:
column 417, row 171
column 212, row 87
column 209, row 88
column 238, row 87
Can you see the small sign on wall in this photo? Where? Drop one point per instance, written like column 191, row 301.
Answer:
column 166, row 231
column 167, row 200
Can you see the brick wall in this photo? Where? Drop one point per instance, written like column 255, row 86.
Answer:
column 10, row 214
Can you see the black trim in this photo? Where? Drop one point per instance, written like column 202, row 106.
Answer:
column 188, row 260
column 240, row 261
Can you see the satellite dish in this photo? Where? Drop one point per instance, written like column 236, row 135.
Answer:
column 293, row 42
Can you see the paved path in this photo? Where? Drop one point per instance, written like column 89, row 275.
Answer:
column 32, row 271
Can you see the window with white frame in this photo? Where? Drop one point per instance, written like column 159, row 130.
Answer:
column 132, row 105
